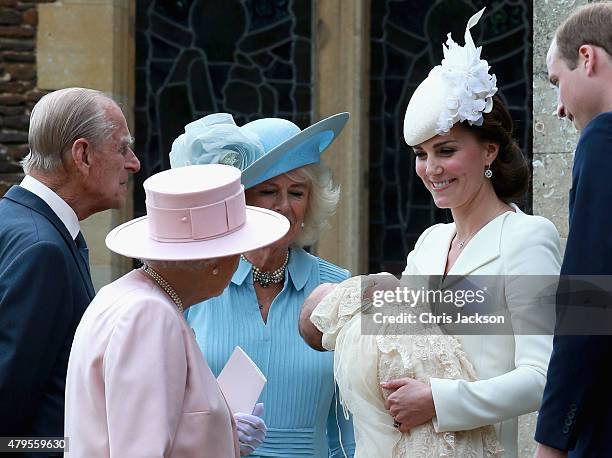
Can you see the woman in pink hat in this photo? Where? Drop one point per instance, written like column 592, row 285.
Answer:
column 137, row 383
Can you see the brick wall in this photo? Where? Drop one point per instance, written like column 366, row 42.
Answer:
column 18, row 91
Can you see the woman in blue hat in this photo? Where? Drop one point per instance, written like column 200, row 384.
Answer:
column 259, row 310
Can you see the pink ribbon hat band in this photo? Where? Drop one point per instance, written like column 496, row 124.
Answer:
column 196, row 212
column 221, row 210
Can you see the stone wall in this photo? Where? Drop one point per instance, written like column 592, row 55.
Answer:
column 341, row 84
column 554, row 139
column 18, row 91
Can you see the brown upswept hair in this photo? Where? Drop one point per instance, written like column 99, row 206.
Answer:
column 587, row 25
column 510, row 168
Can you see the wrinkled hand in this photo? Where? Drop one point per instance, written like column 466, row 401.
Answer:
column 544, row 451
column 411, row 403
column 251, row 430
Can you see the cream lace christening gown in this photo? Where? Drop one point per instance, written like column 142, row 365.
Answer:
column 362, row 362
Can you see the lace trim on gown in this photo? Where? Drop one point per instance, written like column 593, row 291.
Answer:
column 361, row 362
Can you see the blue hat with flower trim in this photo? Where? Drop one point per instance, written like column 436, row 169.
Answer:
column 262, row 149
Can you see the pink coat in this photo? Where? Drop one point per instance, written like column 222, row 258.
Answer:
column 138, row 385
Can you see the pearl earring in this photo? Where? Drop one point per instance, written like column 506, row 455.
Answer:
column 488, row 173
column 215, row 271
column 302, row 225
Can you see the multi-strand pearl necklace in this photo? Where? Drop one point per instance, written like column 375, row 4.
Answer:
column 163, row 284
column 266, row 279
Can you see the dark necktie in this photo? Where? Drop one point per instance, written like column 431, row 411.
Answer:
column 82, row 247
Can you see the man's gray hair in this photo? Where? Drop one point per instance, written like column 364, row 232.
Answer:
column 59, row 119
column 322, row 202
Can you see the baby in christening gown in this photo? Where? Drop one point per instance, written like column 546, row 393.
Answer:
column 362, row 362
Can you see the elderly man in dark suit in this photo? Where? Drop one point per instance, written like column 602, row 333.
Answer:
column 79, row 163
column 576, row 414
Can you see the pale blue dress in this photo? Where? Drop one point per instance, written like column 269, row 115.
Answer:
column 303, row 415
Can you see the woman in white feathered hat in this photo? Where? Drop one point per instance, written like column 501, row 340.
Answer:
column 441, row 395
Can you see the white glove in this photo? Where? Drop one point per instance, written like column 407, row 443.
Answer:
column 251, row 429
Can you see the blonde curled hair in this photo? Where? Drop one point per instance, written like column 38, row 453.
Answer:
column 322, row 202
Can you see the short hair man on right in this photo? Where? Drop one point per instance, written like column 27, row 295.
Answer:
column 575, row 418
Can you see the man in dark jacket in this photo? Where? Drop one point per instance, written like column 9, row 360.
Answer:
column 575, row 418
column 79, row 162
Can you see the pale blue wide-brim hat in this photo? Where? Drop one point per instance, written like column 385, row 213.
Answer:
column 262, row 149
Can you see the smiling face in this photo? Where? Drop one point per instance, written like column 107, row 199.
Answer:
column 286, row 196
column 111, row 164
column 452, row 166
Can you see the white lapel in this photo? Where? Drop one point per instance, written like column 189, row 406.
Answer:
column 430, row 257
column 482, row 249
column 485, row 246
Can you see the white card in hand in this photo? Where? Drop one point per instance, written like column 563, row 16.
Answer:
column 241, row 382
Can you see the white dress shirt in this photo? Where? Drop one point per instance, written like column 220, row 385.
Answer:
column 63, row 211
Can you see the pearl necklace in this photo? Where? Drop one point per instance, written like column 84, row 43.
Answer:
column 266, row 279
column 163, row 284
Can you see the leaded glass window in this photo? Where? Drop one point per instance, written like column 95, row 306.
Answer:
column 251, row 58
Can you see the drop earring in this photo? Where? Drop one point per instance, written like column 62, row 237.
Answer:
column 488, row 173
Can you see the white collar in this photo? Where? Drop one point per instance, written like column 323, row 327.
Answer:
column 430, row 259
column 63, row 211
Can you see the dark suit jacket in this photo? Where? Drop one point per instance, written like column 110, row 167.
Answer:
column 45, row 287
column 576, row 411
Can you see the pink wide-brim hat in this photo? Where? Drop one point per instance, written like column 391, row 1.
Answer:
column 196, row 212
